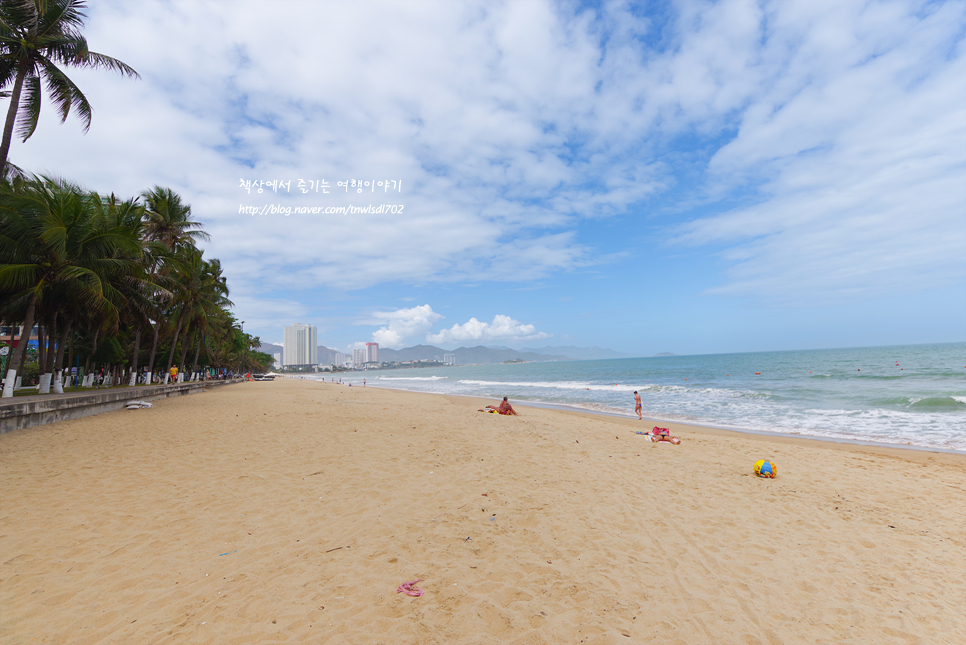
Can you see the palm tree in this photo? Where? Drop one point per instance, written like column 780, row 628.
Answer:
column 140, row 290
column 207, row 294
column 36, row 36
column 167, row 221
column 53, row 247
column 201, row 290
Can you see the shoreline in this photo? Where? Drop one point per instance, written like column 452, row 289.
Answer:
column 760, row 433
column 913, row 453
column 690, row 424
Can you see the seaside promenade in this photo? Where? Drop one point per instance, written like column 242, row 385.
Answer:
column 292, row 511
column 21, row 412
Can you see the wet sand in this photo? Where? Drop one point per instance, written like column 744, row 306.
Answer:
column 290, row 511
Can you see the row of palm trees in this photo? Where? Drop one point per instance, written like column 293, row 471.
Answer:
column 99, row 275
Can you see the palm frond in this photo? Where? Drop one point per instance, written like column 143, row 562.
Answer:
column 102, row 61
column 13, row 173
column 16, row 277
column 59, row 15
column 30, row 107
column 8, row 70
column 65, row 94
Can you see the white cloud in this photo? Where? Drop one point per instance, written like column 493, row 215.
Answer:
column 266, row 313
column 403, row 324
column 861, row 164
column 510, row 124
column 472, row 106
column 503, row 328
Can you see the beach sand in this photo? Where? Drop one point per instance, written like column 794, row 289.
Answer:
column 290, row 512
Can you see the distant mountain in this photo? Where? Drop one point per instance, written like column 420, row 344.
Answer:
column 665, row 354
column 578, row 353
column 269, row 348
column 464, row 355
column 467, row 355
column 488, row 355
column 414, row 353
column 327, row 356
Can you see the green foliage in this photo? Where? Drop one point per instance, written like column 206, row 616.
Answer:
column 30, row 373
column 262, row 360
column 109, row 352
column 105, row 269
column 37, row 38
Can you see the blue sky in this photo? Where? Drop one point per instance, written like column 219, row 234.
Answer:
column 692, row 177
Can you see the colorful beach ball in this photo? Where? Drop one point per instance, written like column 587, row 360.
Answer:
column 764, row 468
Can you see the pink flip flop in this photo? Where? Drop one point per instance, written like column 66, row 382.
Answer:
column 410, row 590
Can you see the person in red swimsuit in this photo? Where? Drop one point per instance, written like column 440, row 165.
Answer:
column 505, row 408
column 663, row 434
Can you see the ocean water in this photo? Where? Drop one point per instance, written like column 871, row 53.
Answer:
column 911, row 395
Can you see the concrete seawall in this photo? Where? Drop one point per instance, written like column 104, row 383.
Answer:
column 23, row 412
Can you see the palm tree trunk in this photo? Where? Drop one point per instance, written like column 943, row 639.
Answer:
column 10, row 345
column 58, row 364
column 46, row 366
column 194, row 363
column 154, row 349
column 70, row 352
column 11, row 117
column 184, row 353
column 21, row 351
column 52, row 345
column 134, row 359
column 87, row 361
column 174, row 345
column 41, row 352
column 23, row 361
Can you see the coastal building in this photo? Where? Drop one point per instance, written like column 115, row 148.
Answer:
column 358, row 357
column 278, row 360
column 372, row 352
column 342, row 360
column 449, row 359
column 300, row 345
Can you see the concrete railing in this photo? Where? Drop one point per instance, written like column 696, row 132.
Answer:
column 27, row 411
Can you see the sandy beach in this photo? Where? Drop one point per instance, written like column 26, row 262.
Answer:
column 291, row 511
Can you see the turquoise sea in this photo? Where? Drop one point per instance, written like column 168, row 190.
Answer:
column 912, row 395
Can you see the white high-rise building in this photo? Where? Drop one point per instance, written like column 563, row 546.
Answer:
column 300, row 345
column 449, row 359
column 342, row 360
column 358, row 357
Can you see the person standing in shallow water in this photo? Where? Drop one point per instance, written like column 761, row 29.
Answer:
column 637, row 404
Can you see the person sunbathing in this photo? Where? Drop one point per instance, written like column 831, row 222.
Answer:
column 663, row 434
column 505, row 408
